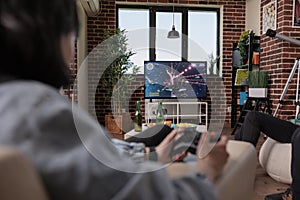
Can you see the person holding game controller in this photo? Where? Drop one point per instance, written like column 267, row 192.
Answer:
column 37, row 40
column 211, row 162
column 188, row 140
column 209, row 149
column 170, row 145
column 155, row 142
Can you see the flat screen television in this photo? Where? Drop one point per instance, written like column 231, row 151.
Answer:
column 175, row 79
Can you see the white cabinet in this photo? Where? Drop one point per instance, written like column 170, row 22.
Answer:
column 179, row 112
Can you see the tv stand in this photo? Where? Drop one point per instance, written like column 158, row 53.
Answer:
column 179, row 112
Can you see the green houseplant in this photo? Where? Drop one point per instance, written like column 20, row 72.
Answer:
column 243, row 45
column 116, row 80
column 258, row 83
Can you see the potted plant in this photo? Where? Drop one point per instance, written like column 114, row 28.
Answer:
column 243, row 45
column 212, row 62
column 116, row 81
column 258, row 83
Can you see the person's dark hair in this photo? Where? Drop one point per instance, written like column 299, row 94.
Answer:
column 30, row 34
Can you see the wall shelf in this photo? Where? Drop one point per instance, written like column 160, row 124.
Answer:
column 253, row 47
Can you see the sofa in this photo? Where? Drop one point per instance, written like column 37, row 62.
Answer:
column 19, row 180
column 237, row 180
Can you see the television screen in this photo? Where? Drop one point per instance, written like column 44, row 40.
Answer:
column 175, row 79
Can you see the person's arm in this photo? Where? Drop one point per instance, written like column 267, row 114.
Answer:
column 135, row 150
column 139, row 152
column 211, row 157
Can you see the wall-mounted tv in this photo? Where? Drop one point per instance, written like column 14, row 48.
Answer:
column 175, row 79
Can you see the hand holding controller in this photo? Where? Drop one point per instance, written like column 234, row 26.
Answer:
column 188, row 141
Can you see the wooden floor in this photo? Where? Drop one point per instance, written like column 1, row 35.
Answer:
column 263, row 183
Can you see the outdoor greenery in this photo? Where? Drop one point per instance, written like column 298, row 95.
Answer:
column 258, row 79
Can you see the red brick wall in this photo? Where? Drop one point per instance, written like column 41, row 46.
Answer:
column 69, row 90
column 278, row 57
column 233, row 26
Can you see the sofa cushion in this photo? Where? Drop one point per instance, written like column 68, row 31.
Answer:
column 275, row 158
column 18, row 177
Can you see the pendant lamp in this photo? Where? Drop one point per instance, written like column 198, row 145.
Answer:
column 173, row 33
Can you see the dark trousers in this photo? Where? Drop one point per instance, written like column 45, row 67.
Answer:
column 152, row 136
column 279, row 130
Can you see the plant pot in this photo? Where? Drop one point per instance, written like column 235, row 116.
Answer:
column 119, row 125
column 258, row 92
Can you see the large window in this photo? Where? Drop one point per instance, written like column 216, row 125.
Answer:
column 202, row 29
column 136, row 23
column 148, row 27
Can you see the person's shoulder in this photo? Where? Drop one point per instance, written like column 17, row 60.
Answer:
column 28, row 87
column 19, row 85
column 27, row 92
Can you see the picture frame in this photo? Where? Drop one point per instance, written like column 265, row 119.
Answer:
column 269, row 16
column 296, row 14
column 241, row 77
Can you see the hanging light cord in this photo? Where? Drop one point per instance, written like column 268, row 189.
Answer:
column 173, row 12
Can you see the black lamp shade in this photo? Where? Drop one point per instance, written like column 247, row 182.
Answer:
column 173, row 33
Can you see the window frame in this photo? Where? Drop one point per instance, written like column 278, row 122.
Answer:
column 169, row 8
